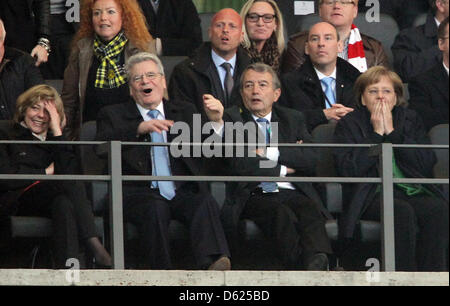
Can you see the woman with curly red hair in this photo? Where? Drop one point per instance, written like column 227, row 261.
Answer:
column 110, row 32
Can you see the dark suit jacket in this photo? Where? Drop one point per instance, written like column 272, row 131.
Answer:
column 356, row 128
column 302, row 90
column 32, row 159
column 295, row 56
column 198, row 75
column 17, row 74
column 291, row 128
column 25, row 22
column 176, row 23
column 120, row 122
column 429, row 96
column 416, row 49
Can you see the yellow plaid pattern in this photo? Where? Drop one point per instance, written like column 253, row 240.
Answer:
column 109, row 73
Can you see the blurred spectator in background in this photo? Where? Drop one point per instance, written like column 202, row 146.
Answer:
column 17, row 74
column 360, row 50
column 420, row 211
column 61, row 35
column 429, row 90
column 416, row 49
column 404, row 12
column 40, row 117
column 322, row 88
column 28, row 25
column 263, row 32
column 174, row 24
column 110, row 32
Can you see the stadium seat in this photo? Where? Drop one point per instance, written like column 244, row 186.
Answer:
column 57, row 84
column 439, row 136
column 169, row 62
column 205, row 22
column 420, row 20
column 385, row 31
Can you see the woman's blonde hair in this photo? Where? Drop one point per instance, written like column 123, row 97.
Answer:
column 34, row 95
column 279, row 32
column 373, row 76
column 133, row 23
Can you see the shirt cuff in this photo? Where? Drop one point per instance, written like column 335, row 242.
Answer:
column 218, row 128
column 283, row 171
column 273, row 154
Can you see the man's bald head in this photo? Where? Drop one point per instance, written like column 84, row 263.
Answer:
column 226, row 33
column 227, row 13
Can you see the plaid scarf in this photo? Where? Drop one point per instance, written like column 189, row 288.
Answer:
column 269, row 54
column 109, row 73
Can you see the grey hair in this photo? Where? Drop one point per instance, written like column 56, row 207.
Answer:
column 262, row 68
column 143, row 57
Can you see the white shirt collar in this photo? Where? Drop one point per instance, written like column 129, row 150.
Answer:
column 144, row 111
column 445, row 67
column 268, row 117
column 322, row 76
column 437, row 22
column 220, row 60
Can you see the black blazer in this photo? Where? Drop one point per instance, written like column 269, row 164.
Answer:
column 33, row 159
column 416, row 49
column 429, row 96
column 291, row 128
column 120, row 122
column 302, row 90
column 176, row 23
column 356, row 128
column 17, row 74
column 25, row 22
column 198, row 75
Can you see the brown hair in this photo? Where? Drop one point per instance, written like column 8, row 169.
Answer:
column 374, row 75
column 133, row 23
column 33, row 96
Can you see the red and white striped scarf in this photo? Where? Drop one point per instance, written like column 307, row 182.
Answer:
column 356, row 55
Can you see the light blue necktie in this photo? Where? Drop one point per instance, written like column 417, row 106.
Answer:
column 329, row 92
column 267, row 186
column 161, row 163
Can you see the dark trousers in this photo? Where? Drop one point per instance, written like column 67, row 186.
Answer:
column 421, row 231
column 71, row 213
column 291, row 221
column 151, row 214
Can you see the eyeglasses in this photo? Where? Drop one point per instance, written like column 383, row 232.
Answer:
column 267, row 18
column 149, row 75
column 333, row 2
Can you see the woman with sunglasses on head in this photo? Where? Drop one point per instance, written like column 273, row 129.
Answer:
column 263, row 32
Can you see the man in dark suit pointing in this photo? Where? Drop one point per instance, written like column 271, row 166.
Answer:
column 147, row 117
column 291, row 215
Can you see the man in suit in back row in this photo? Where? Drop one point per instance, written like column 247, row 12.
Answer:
column 290, row 215
column 429, row 90
column 322, row 88
column 216, row 67
column 147, row 117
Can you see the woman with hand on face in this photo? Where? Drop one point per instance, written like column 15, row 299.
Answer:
column 110, row 32
column 40, row 117
column 420, row 211
column 263, row 32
